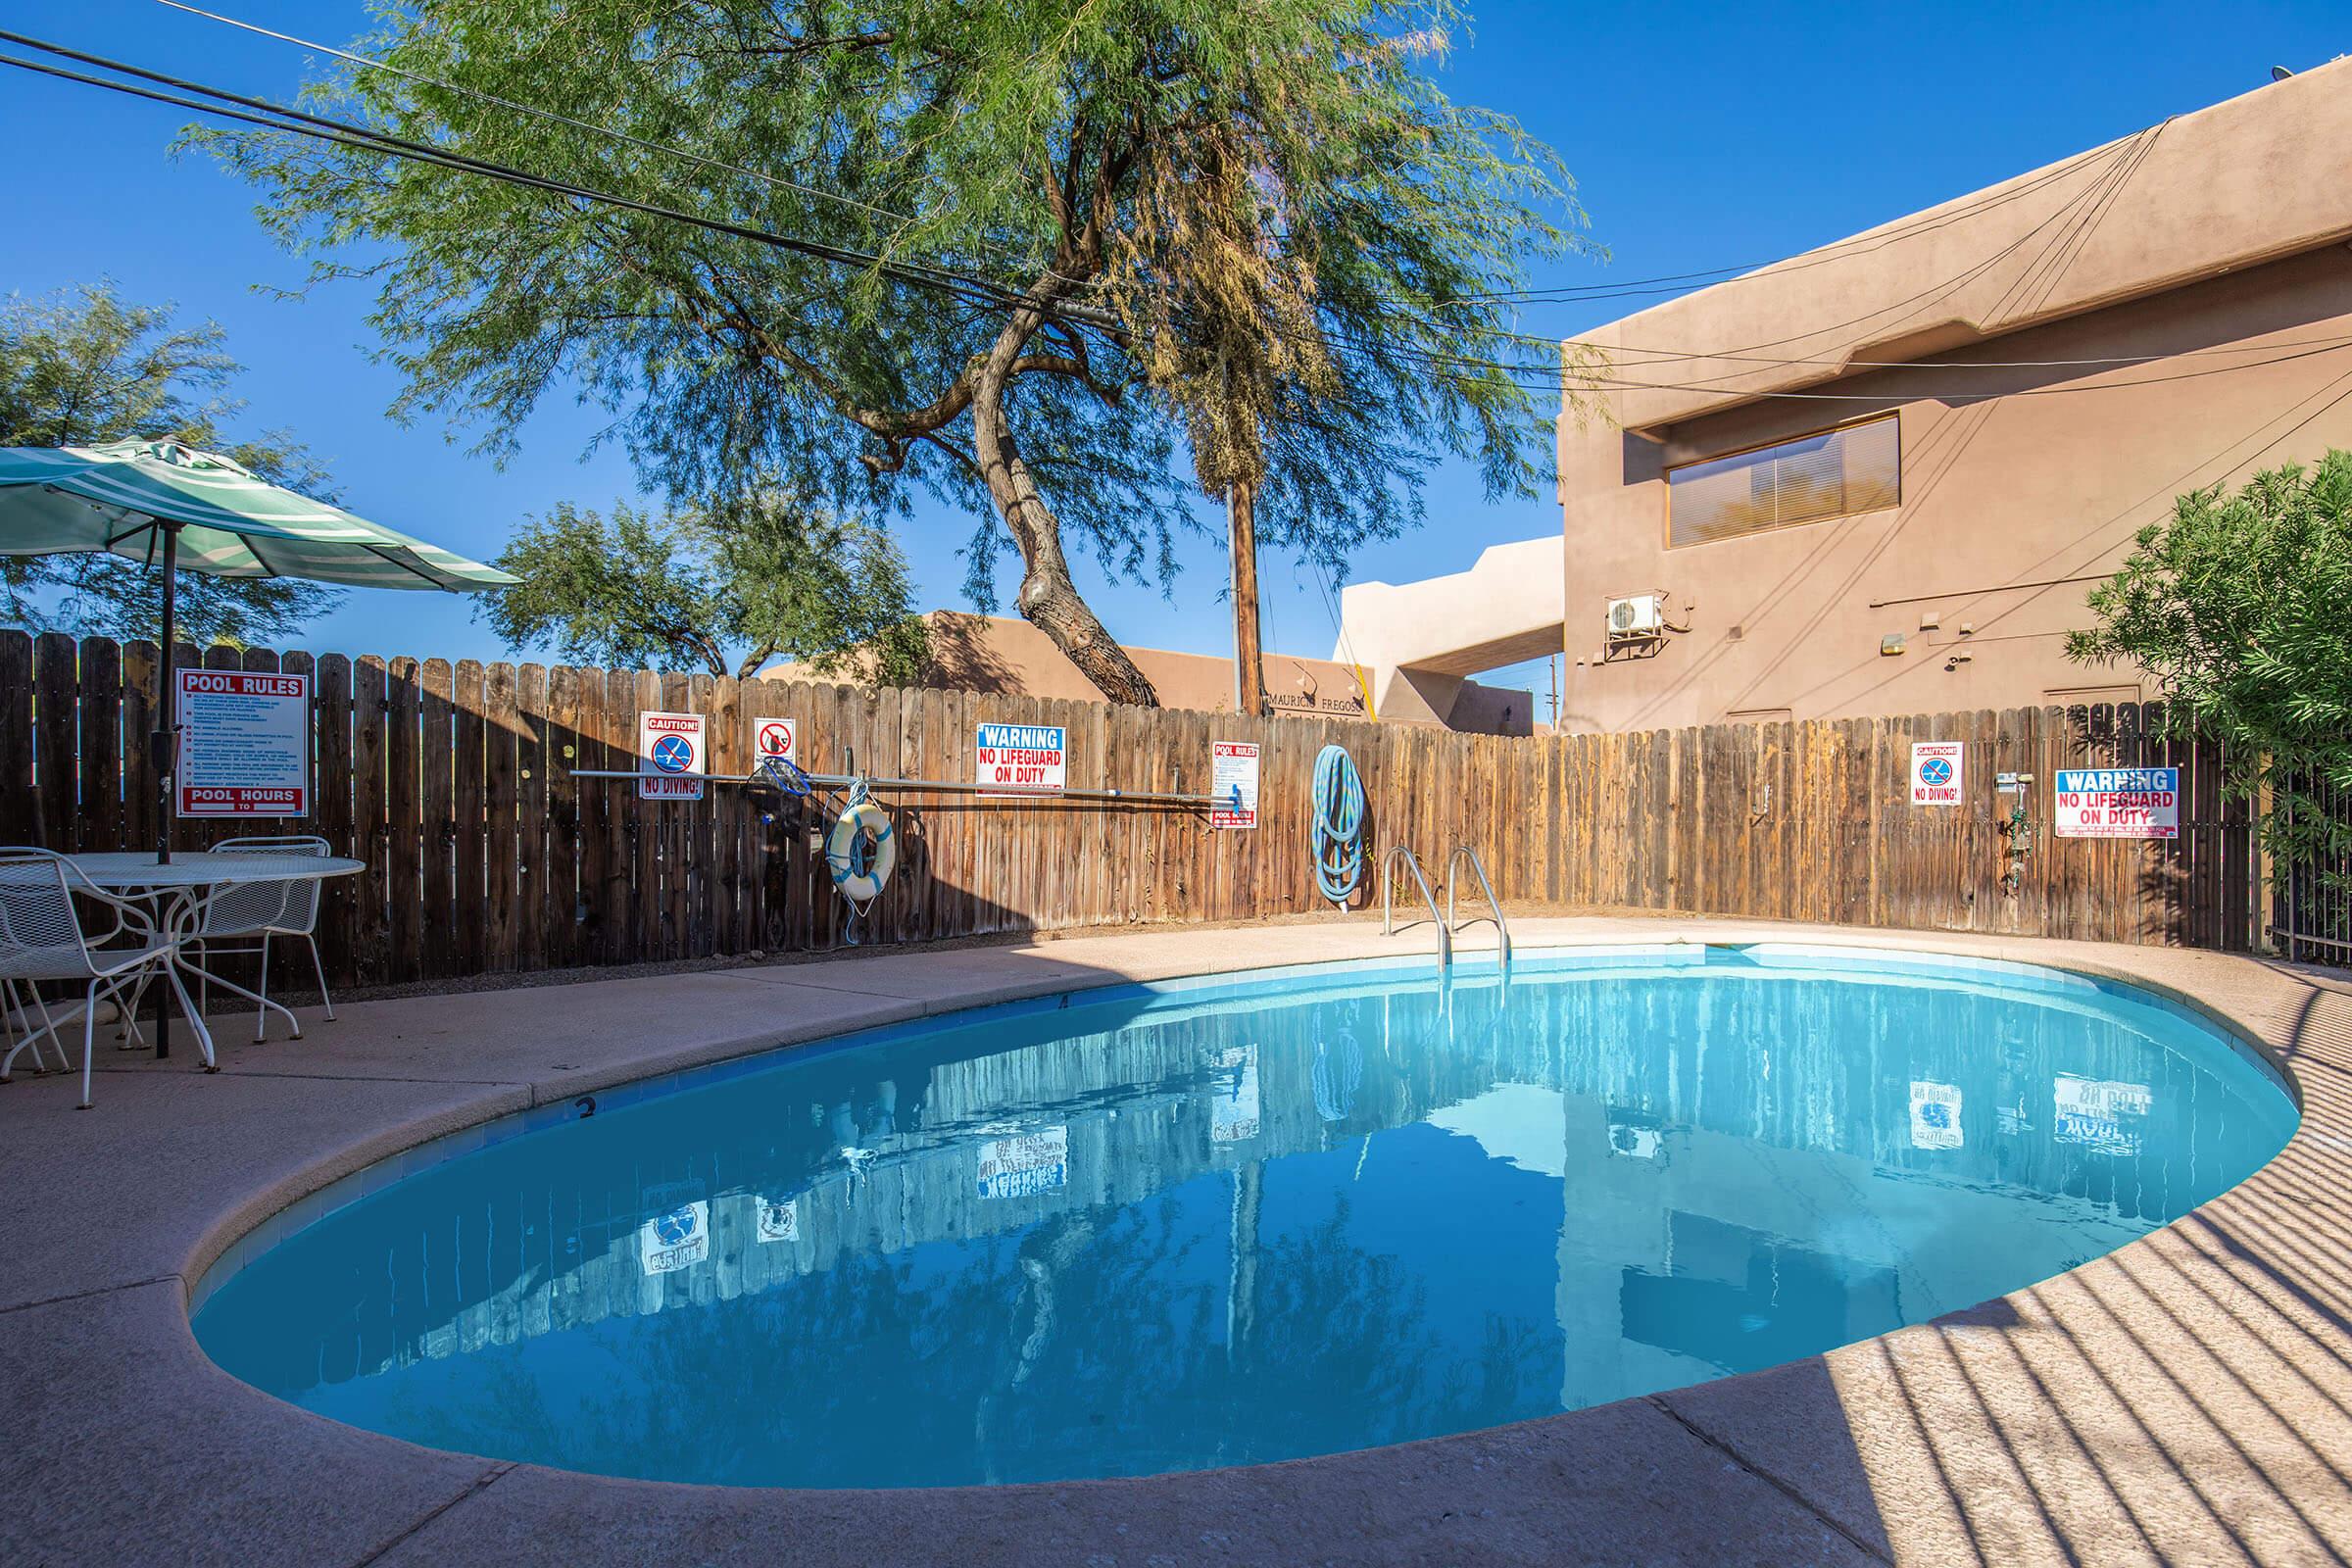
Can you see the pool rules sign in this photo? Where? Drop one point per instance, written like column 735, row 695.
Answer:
column 244, row 744
column 1233, row 784
column 668, row 746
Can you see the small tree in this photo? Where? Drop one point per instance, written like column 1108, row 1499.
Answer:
column 83, row 367
column 725, row 589
column 2240, row 606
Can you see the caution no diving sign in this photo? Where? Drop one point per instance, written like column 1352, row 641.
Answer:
column 1935, row 772
column 669, row 756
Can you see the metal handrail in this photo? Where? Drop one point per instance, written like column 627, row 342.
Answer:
column 1387, row 880
column 1502, row 930
column 937, row 786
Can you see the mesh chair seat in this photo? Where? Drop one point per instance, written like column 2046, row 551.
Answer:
column 259, row 912
column 265, row 908
column 73, row 964
column 43, row 937
column 248, row 910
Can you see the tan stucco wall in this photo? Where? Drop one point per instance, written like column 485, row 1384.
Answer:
column 998, row 654
column 2010, row 476
column 2255, row 178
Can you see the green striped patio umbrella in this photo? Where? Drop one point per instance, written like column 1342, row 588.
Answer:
column 134, row 498
column 183, row 509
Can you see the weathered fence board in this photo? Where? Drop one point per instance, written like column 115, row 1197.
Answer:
column 456, row 784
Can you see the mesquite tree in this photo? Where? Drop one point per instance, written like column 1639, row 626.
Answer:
column 723, row 591
column 1254, row 226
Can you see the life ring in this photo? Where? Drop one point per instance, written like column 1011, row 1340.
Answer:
column 860, row 852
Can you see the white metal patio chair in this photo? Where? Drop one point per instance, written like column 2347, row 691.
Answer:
column 16, row 1010
column 42, row 938
column 260, row 910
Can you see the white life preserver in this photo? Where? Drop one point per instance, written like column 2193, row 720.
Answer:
column 861, row 851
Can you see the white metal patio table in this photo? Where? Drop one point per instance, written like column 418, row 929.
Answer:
column 179, row 892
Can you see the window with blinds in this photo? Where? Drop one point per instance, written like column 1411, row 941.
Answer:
column 1833, row 474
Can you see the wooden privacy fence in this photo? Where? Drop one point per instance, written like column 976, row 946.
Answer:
column 455, row 783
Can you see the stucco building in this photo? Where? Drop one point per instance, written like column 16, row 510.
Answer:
column 998, row 654
column 1881, row 476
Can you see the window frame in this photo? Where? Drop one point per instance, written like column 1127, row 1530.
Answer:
column 1667, row 473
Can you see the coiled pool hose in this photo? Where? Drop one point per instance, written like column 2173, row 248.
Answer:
column 1339, row 825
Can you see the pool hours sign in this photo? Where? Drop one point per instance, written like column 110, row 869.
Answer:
column 244, row 744
column 1023, row 756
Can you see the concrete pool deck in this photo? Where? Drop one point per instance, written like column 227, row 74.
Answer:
column 2187, row 1399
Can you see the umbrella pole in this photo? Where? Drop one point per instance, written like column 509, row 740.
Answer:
column 166, row 746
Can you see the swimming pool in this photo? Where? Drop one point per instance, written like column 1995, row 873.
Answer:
column 1220, row 1222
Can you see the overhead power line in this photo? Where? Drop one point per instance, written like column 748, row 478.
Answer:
column 1562, row 294
column 1818, row 255
column 1466, row 369
column 518, row 106
column 269, row 116
column 1643, row 354
column 666, row 149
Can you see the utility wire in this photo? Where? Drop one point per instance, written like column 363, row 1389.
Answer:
column 1459, row 368
column 665, row 148
column 280, row 118
column 1818, row 255
column 1911, row 305
column 668, row 149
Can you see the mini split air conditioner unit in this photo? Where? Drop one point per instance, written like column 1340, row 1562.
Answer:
column 1636, row 617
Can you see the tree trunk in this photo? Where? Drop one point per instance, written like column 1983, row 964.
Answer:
column 1248, row 664
column 1048, row 600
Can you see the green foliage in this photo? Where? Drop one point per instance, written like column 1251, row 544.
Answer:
column 1257, row 230
column 85, row 367
column 758, row 576
column 2237, row 605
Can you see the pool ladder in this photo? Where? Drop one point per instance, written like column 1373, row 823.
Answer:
column 1446, row 924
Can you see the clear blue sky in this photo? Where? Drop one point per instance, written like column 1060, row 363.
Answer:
column 1701, row 137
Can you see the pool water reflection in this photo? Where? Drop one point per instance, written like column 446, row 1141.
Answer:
column 1206, row 1226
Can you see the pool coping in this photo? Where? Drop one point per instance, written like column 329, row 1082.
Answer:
column 2185, row 1398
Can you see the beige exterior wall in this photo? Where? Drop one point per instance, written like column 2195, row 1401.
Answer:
column 998, row 654
column 2213, row 245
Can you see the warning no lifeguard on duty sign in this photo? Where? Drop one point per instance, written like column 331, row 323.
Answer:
column 2118, row 803
column 1026, row 757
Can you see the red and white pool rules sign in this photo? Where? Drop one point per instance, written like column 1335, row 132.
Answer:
column 1027, row 757
column 668, row 746
column 2118, row 803
column 1233, row 784
column 1935, row 772
column 244, row 744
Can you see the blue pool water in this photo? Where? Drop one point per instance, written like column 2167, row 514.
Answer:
column 1206, row 1224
